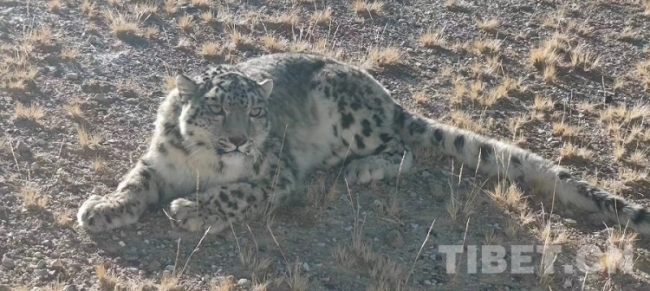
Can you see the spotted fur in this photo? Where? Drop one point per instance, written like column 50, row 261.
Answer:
column 238, row 136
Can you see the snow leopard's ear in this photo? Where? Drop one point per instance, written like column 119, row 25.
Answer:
column 186, row 87
column 267, row 87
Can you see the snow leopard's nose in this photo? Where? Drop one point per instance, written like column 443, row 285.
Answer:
column 237, row 140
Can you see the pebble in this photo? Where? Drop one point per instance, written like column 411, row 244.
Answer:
column 570, row 221
column 394, row 238
column 22, row 148
column 56, row 265
column 244, row 282
column 41, row 273
column 93, row 40
column 122, row 243
column 306, row 267
column 8, row 262
column 72, row 76
column 154, row 266
column 41, row 264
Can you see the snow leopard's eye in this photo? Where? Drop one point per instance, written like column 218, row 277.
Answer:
column 216, row 109
column 256, row 112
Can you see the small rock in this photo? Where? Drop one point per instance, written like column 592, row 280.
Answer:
column 41, row 264
column 72, row 76
column 41, row 273
column 305, row 266
column 154, row 266
column 122, row 243
column 93, row 40
column 394, row 238
column 244, row 282
column 56, row 265
column 69, row 288
column 567, row 283
column 570, row 221
column 8, row 262
column 22, row 149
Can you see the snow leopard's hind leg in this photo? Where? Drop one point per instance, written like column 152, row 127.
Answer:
column 385, row 163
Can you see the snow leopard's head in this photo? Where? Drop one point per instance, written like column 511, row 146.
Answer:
column 226, row 113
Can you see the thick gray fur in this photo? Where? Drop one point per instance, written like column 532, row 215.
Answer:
column 249, row 133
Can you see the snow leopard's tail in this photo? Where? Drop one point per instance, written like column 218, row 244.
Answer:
column 499, row 159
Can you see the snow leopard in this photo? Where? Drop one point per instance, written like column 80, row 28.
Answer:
column 242, row 137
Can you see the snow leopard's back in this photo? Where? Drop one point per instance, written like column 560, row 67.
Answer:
column 324, row 107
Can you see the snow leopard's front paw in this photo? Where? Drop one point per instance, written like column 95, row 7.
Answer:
column 99, row 214
column 189, row 215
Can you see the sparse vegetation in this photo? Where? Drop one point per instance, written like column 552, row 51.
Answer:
column 569, row 81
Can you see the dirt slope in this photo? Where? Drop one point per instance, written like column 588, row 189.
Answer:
column 80, row 82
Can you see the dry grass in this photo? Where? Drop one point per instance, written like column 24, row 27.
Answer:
column 432, row 39
column 240, row 41
column 171, row 7
column 643, row 73
column 34, row 112
column 490, row 26
column 55, row 5
column 481, row 82
column 203, row 4
column 88, row 8
column 274, row 44
column 73, row 108
column 185, row 22
column 121, row 25
column 506, row 196
column 382, row 57
column 569, row 151
column 487, row 47
column 322, row 17
column 583, row 59
column 565, row 130
column 420, row 97
column 88, row 140
column 33, row 199
column 363, row 7
column 208, row 50
column 107, row 281
column 543, row 104
column 543, row 57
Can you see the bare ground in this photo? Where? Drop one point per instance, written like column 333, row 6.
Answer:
column 80, row 82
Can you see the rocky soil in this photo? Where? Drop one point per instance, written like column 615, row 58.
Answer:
column 80, row 81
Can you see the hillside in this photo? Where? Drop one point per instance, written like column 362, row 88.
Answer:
column 80, row 81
